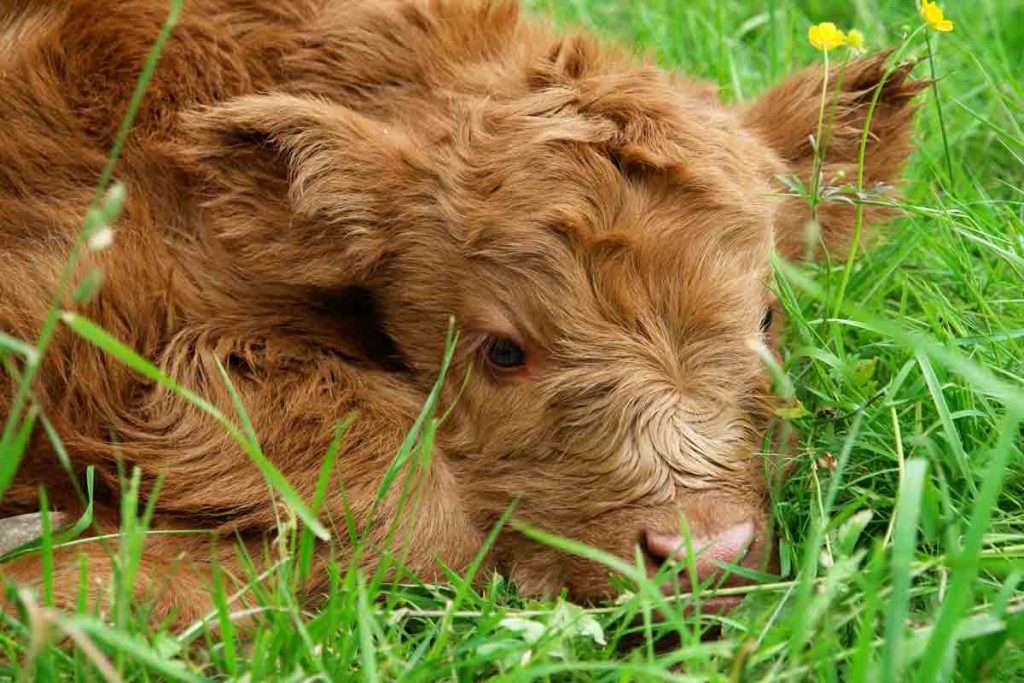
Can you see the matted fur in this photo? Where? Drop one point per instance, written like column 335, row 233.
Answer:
column 316, row 186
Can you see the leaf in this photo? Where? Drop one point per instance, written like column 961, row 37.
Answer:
column 864, row 370
column 530, row 631
column 590, row 627
column 793, row 412
column 849, row 533
column 166, row 645
column 573, row 621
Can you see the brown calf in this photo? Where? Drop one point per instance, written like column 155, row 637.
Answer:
column 315, row 187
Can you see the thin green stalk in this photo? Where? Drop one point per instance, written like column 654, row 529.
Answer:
column 819, row 154
column 938, row 108
column 71, row 265
column 858, row 225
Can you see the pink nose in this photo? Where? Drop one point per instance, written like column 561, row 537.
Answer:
column 729, row 546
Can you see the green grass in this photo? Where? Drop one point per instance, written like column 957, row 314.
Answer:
column 902, row 527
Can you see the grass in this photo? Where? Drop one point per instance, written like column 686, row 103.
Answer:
column 902, row 527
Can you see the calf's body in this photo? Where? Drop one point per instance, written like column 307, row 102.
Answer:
column 315, row 188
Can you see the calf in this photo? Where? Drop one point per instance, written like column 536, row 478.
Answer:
column 316, row 187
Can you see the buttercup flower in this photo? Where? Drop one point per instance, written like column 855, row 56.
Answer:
column 855, row 38
column 933, row 16
column 825, row 36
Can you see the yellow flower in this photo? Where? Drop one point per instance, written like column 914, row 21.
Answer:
column 932, row 14
column 825, row 36
column 855, row 39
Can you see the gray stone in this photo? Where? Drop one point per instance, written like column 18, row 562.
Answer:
column 20, row 529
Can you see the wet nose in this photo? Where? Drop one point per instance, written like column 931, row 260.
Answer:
column 731, row 546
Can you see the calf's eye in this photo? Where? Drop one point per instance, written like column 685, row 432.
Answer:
column 505, row 353
column 766, row 321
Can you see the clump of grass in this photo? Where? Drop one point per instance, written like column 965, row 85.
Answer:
column 902, row 528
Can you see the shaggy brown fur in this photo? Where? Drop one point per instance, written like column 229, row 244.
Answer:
column 316, row 186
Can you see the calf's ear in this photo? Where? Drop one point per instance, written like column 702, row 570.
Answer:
column 301, row 191
column 786, row 119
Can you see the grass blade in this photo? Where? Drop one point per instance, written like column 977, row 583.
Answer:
column 103, row 340
column 942, row 641
column 11, row 453
column 908, row 510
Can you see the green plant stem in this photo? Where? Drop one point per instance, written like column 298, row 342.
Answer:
column 938, row 108
column 858, row 225
column 819, row 154
column 49, row 326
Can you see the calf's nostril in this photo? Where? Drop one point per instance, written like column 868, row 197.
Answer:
column 727, row 546
column 663, row 547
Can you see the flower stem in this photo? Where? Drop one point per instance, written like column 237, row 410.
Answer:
column 819, row 151
column 858, row 224
column 938, row 108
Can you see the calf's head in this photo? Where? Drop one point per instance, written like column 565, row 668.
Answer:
column 603, row 241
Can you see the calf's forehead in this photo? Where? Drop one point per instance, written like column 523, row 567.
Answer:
column 600, row 247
